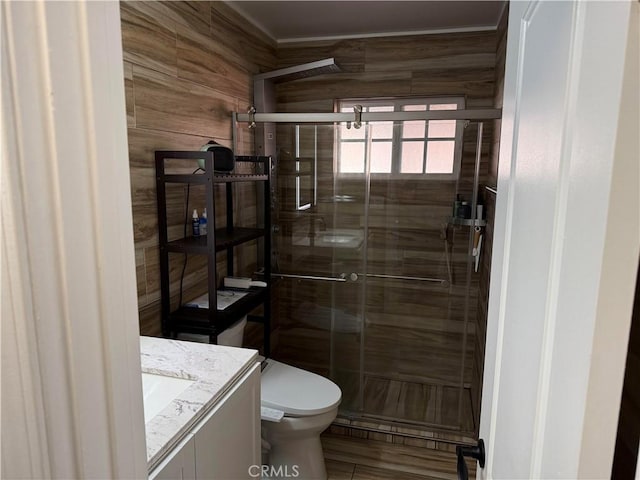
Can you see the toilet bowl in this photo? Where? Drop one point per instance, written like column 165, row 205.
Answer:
column 309, row 403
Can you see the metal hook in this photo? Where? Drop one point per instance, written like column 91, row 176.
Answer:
column 252, row 116
column 357, row 110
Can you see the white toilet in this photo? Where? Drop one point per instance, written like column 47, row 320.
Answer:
column 309, row 402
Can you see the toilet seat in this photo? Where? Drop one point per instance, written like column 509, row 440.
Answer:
column 296, row 392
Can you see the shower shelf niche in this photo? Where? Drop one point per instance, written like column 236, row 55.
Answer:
column 468, row 222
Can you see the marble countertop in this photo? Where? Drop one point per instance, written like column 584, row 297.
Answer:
column 213, row 368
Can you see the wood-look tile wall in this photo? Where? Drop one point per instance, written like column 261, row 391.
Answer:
column 413, row 331
column 490, row 204
column 188, row 65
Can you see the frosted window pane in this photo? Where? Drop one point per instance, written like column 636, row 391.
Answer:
column 440, row 157
column 413, row 129
column 381, row 130
column 381, row 108
column 352, row 157
column 443, row 106
column 412, row 157
column 442, row 128
column 351, row 133
column 414, row 108
column 381, row 157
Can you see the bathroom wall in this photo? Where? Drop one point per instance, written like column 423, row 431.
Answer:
column 490, row 204
column 412, row 328
column 187, row 66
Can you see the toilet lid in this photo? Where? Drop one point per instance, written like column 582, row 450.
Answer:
column 297, row 392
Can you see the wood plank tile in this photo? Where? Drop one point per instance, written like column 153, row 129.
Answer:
column 150, row 320
column 349, row 54
column 345, row 85
column 169, row 104
column 141, row 277
column 475, row 84
column 143, row 143
column 417, row 402
column 339, row 470
column 201, row 60
column 129, row 94
column 194, row 15
column 376, row 391
column 167, row 112
column 417, row 52
column 399, row 458
column 164, row 105
column 147, row 40
column 244, row 44
column 363, row 472
column 450, row 400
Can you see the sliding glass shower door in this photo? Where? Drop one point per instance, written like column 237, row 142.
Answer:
column 320, row 246
column 372, row 272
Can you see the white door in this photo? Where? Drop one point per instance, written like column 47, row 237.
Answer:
column 566, row 242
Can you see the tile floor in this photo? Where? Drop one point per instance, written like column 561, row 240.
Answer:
column 349, row 458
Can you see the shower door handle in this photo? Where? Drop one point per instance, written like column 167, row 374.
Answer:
column 349, row 277
column 342, row 278
column 476, row 452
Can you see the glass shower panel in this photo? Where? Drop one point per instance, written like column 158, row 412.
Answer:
column 320, row 243
column 372, row 285
column 417, row 364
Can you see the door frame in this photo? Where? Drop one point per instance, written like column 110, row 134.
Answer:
column 71, row 386
column 579, row 376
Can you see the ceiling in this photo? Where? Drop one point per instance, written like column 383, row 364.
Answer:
column 289, row 21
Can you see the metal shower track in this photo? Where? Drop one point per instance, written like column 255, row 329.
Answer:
column 253, row 117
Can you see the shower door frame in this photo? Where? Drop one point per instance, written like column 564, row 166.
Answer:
column 357, row 118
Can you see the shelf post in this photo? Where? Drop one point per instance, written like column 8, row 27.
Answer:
column 165, row 302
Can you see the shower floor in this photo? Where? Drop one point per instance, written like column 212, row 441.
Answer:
column 417, row 404
column 397, row 387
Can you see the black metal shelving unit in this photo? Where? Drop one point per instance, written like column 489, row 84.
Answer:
column 211, row 321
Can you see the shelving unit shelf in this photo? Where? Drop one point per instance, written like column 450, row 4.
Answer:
column 211, row 321
column 223, row 240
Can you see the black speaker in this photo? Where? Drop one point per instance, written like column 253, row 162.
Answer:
column 223, row 158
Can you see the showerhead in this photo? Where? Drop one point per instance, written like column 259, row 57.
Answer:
column 328, row 65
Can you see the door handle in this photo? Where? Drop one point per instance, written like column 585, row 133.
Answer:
column 476, row 452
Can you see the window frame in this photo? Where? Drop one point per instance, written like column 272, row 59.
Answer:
column 398, row 103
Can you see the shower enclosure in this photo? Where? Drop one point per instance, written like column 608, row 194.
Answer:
column 375, row 284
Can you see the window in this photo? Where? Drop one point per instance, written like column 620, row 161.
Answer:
column 417, row 147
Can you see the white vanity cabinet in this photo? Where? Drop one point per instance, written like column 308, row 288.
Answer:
column 223, row 444
column 180, row 464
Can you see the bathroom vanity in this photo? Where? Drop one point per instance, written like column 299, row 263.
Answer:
column 202, row 409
